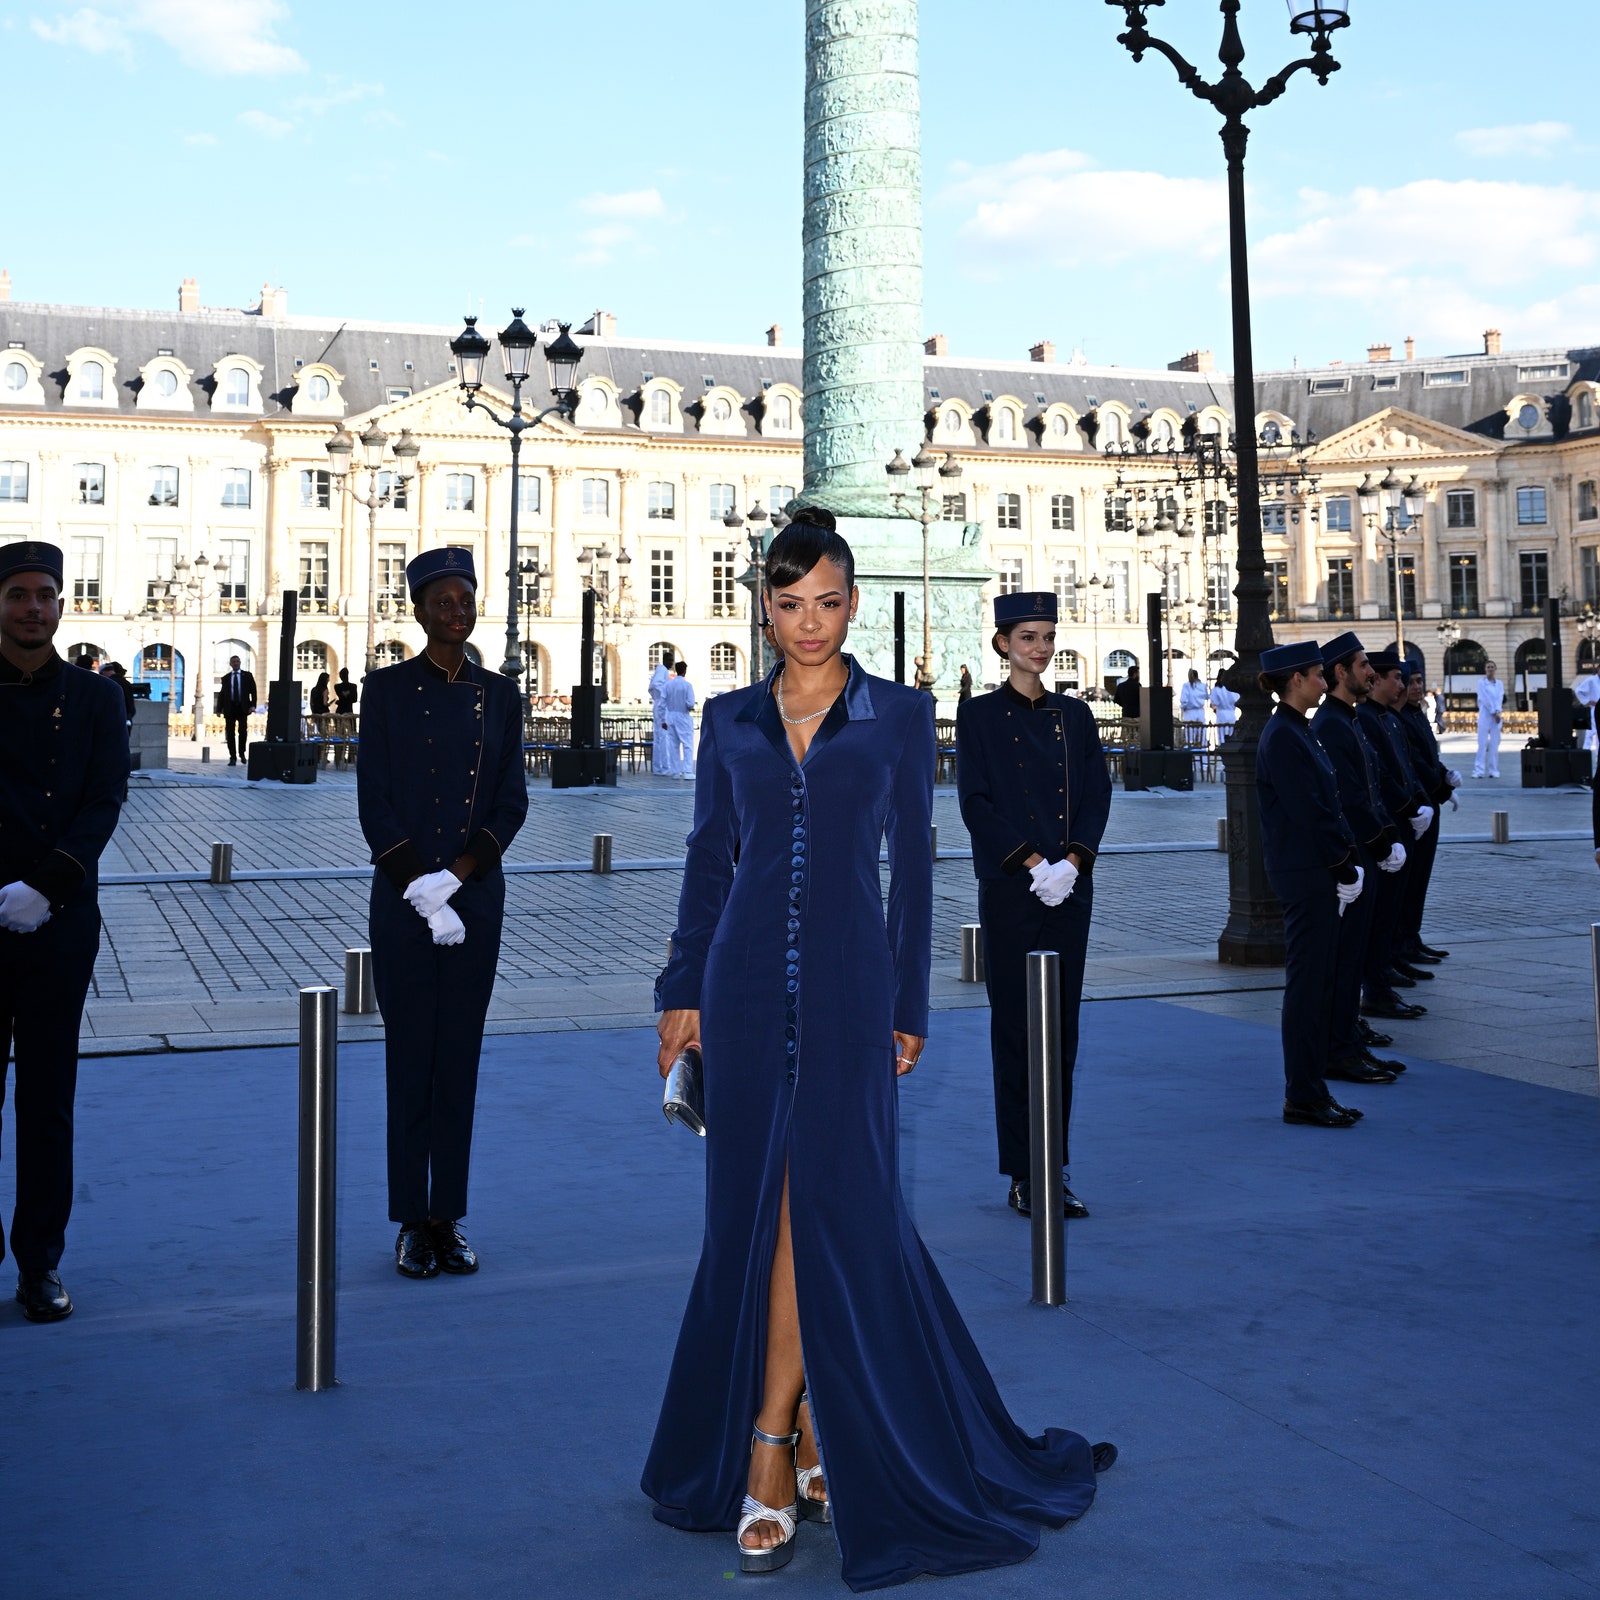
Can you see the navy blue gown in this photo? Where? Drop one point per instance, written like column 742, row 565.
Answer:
column 800, row 980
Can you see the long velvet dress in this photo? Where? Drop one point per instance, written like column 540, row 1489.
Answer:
column 800, row 981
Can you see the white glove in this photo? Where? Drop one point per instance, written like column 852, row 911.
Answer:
column 1455, row 805
column 431, row 891
column 1395, row 859
column 23, row 910
column 1454, row 777
column 1420, row 822
column 1053, row 881
column 447, row 927
column 1349, row 893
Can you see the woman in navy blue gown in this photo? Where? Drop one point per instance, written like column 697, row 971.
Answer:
column 817, row 1324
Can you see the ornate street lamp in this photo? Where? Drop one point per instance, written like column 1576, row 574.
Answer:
column 562, row 355
column 1253, row 935
column 374, row 442
column 929, row 471
column 753, row 577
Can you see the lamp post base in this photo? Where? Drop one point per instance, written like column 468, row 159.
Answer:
column 1253, row 934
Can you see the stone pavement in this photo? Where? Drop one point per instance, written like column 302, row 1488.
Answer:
column 188, row 965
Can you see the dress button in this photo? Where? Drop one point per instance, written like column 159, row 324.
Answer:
column 792, row 970
column 791, row 1077
column 797, row 861
column 790, row 1032
column 793, row 986
column 799, row 832
column 791, row 954
column 800, row 844
column 797, row 878
column 794, row 925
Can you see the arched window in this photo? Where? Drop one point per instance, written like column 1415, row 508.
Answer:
column 660, row 408
column 236, row 390
column 1121, row 660
column 724, row 663
column 1005, row 425
column 1113, row 429
column 1059, row 426
column 311, row 656
column 317, row 387
column 85, row 652
column 1465, row 659
column 165, row 382
column 155, row 668
column 1162, row 434
column 952, row 421
column 1585, row 407
column 1068, row 669
column 721, row 410
column 15, row 376
column 663, row 502
column 222, row 653
column 91, row 381
column 532, row 668
column 388, row 654
column 783, row 413
column 662, row 651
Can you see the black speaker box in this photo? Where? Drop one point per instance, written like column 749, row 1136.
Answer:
column 584, row 769
column 285, row 761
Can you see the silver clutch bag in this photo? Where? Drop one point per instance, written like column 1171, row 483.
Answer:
column 684, row 1098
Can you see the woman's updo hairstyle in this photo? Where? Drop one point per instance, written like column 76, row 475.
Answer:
column 1276, row 682
column 811, row 537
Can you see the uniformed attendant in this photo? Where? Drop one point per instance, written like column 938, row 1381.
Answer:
column 63, row 772
column 1440, row 784
column 442, row 794
column 1035, row 796
column 1313, row 868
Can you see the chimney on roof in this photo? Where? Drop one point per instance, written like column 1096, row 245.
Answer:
column 1411, row 348
column 1043, row 352
column 1194, row 361
column 188, row 295
column 936, row 345
column 274, row 302
column 1491, row 341
column 5, row 284
column 1380, row 352
column 775, row 335
column 602, row 325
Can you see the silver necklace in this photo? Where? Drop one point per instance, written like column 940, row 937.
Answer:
column 797, row 722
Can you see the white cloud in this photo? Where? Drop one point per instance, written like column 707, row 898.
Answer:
column 269, row 127
column 224, row 36
column 200, row 138
column 1517, row 139
column 334, row 92
column 635, row 203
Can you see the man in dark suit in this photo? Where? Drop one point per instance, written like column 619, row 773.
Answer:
column 63, row 772
column 237, row 699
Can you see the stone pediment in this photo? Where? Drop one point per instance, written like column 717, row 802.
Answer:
column 441, row 412
column 1396, row 433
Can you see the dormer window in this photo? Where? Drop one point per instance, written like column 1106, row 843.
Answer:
column 14, row 378
column 317, row 387
column 91, row 381
column 1005, row 425
column 783, row 412
column 952, row 421
column 660, row 408
column 236, row 387
column 1058, row 426
column 721, row 411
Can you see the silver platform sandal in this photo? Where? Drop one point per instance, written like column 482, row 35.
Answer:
column 811, row 1509
column 752, row 1512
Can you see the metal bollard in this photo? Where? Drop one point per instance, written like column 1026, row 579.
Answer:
column 221, row 862
column 1044, row 1127
column 205, row 752
column 935, row 833
column 314, row 1255
column 360, row 993
column 1500, row 827
column 601, row 858
column 1594, row 953
column 1222, row 834
column 972, row 952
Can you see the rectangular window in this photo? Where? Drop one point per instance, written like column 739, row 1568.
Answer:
column 1408, row 586
column 1010, row 574
column 314, row 577
column 1530, row 507
column 1118, row 513
column 233, row 592
column 1329, row 385
column 316, row 489
column 1535, row 576
column 662, row 502
column 724, row 590
column 663, row 583
column 954, row 508
column 1463, row 586
column 160, row 556
column 1341, row 587
column 1008, row 511
column 1063, row 513
column 392, row 579
column 721, row 499
column 778, row 496
column 236, row 486
column 1121, row 589
column 1219, row 588
column 88, row 484
column 1460, row 508
column 1336, row 514
column 1214, row 519
column 1589, row 575
column 530, row 494
column 13, row 480
column 1065, row 583
column 1542, row 374
column 86, row 555
column 397, row 488
column 1275, row 517
column 460, row 491
column 1445, row 380
column 163, row 486
column 398, row 394
column 596, row 497
column 1278, row 580
column 1588, row 502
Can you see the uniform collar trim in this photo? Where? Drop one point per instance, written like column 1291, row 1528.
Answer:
column 1017, row 697
column 11, row 673
column 434, row 670
column 857, row 696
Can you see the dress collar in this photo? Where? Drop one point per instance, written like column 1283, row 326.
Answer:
column 434, row 670
column 856, row 698
column 1017, row 697
column 11, row 673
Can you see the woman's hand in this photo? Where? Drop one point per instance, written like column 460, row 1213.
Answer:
column 907, row 1052
column 678, row 1030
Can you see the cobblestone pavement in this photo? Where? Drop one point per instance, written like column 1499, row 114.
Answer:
column 192, row 965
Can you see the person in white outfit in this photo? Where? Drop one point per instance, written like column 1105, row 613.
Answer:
column 677, row 703
column 1491, row 703
column 659, row 762
column 1225, row 708
column 1192, row 709
column 1586, row 691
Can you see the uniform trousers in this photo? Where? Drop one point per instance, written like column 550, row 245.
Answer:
column 236, row 727
column 1387, row 904
column 1355, row 931
column 1419, row 874
column 1015, row 920
column 1311, row 955
column 1488, row 762
column 680, row 742
column 434, row 999
column 44, row 979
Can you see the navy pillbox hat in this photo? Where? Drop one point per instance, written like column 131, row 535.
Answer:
column 1386, row 661
column 32, row 555
column 1291, row 657
column 1347, row 644
column 451, row 561
column 1009, row 608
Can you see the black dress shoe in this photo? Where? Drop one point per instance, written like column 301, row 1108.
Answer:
column 1383, row 1063
column 1415, row 974
column 1371, row 1037
column 451, row 1247
column 42, row 1298
column 1354, row 1069
column 1325, row 1115
column 1349, row 1111
column 414, row 1255
column 1104, row 1456
column 1432, row 954
column 1021, row 1200
column 1398, row 980
column 1391, row 1005
column 1416, row 957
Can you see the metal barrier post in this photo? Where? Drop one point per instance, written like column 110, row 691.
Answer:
column 221, row 862
column 935, row 833
column 1044, row 1128
column 1500, row 827
column 314, row 1256
column 601, row 860
column 972, row 952
column 360, row 993
column 1594, row 954
column 1222, row 834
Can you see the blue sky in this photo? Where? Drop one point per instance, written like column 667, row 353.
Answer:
column 403, row 161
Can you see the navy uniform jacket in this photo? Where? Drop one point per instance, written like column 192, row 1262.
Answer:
column 1397, row 784
column 1306, row 840
column 1426, row 761
column 1339, row 734
column 1032, row 777
column 440, row 771
column 63, row 772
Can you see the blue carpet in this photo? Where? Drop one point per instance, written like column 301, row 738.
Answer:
column 1338, row 1364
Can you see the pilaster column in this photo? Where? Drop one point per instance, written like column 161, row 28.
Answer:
column 200, row 489
column 1034, row 530
column 281, row 478
column 125, row 558
column 1563, row 564
column 561, row 514
column 694, row 590
column 48, row 517
column 1497, row 602
column 497, row 535
column 982, row 510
